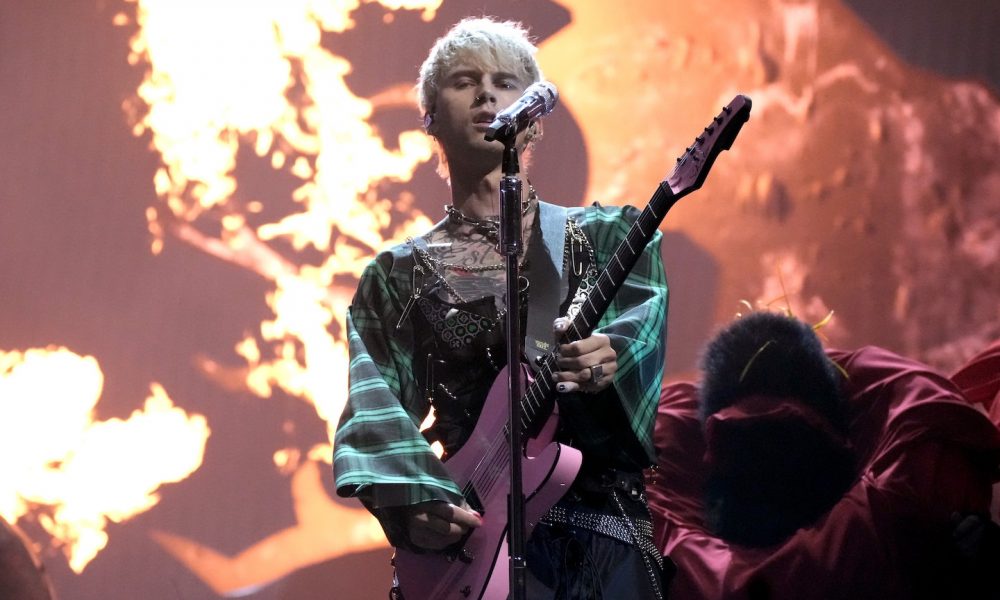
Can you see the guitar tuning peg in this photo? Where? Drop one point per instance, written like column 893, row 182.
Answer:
column 726, row 110
column 700, row 139
column 718, row 120
column 678, row 159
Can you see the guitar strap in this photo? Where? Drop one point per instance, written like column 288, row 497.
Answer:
column 549, row 281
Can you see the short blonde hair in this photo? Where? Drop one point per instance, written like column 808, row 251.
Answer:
column 482, row 42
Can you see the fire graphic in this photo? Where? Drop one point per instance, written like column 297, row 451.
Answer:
column 254, row 77
column 254, row 82
column 234, row 92
column 75, row 474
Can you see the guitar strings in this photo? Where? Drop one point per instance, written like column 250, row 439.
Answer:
column 485, row 475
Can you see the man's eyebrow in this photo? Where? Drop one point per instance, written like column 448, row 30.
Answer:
column 477, row 73
column 470, row 72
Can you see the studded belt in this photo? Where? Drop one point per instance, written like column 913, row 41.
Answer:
column 636, row 532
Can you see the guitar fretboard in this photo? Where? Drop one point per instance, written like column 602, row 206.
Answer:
column 687, row 175
column 539, row 397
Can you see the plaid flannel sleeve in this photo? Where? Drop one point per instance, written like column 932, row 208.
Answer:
column 380, row 456
column 636, row 320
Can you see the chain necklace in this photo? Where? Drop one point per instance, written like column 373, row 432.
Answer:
column 488, row 227
column 436, row 266
column 439, row 264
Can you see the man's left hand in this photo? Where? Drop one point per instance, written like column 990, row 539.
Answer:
column 587, row 365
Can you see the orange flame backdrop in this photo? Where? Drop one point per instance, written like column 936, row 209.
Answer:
column 190, row 190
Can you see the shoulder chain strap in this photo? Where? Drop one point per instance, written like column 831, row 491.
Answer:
column 578, row 243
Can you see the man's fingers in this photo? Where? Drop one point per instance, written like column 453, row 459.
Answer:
column 598, row 345
column 578, row 348
column 577, row 363
column 560, row 325
column 584, row 381
column 436, row 525
column 455, row 514
column 566, row 387
column 583, row 373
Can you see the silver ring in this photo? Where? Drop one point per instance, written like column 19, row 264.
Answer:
column 596, row 372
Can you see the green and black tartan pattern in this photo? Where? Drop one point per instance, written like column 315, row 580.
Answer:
column 636, row 319
column 381, row 457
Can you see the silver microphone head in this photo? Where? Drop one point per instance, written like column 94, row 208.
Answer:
column 537, row 101
column 547, row 91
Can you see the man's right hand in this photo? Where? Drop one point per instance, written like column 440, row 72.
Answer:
column 436, row 525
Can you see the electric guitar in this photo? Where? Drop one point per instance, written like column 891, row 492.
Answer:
column 475, row 568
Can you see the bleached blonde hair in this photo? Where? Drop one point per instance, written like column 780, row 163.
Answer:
column 483, row 43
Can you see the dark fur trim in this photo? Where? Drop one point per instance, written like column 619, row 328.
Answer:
column 785, row 358
column 776, row 477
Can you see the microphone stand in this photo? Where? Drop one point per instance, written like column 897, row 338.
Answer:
column 510, row 247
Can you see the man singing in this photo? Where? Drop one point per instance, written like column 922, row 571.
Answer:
column 426, row 330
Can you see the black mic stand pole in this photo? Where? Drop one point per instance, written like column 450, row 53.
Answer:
column 510, row 247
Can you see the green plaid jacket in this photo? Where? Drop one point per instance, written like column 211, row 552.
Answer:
column 381, row 457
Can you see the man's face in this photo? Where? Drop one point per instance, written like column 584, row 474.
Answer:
column 469, row 98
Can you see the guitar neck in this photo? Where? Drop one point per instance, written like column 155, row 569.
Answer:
column 537, row 402
column 687, row 176
column 620, row 265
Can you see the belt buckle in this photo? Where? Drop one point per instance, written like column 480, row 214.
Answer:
column 635, row 491
column 631, row 486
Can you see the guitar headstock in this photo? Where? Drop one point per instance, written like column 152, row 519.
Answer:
column 692, row 167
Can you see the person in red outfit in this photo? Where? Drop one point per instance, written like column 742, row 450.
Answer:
column 979, row 380
column 921, row 459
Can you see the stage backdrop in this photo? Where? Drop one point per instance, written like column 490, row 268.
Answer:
column 189, row 191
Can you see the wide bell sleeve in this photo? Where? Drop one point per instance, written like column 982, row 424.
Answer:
column 380, row 455
column 635, row 321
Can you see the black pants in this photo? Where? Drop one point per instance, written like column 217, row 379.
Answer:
column 569, row 563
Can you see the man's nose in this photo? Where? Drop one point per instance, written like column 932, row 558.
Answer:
column 486, row 94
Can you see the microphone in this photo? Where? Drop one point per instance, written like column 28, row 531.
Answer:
column 537, row 101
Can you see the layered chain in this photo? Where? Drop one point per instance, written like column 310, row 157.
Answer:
column 438, row 266
column 488, row 227
column 578, row 242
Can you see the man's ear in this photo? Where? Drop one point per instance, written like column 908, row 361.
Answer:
column 534, row 132
column 428, row 122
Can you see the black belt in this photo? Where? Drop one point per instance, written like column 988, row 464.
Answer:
column 602, row 482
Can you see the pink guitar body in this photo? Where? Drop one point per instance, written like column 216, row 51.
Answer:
column 480, row 569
